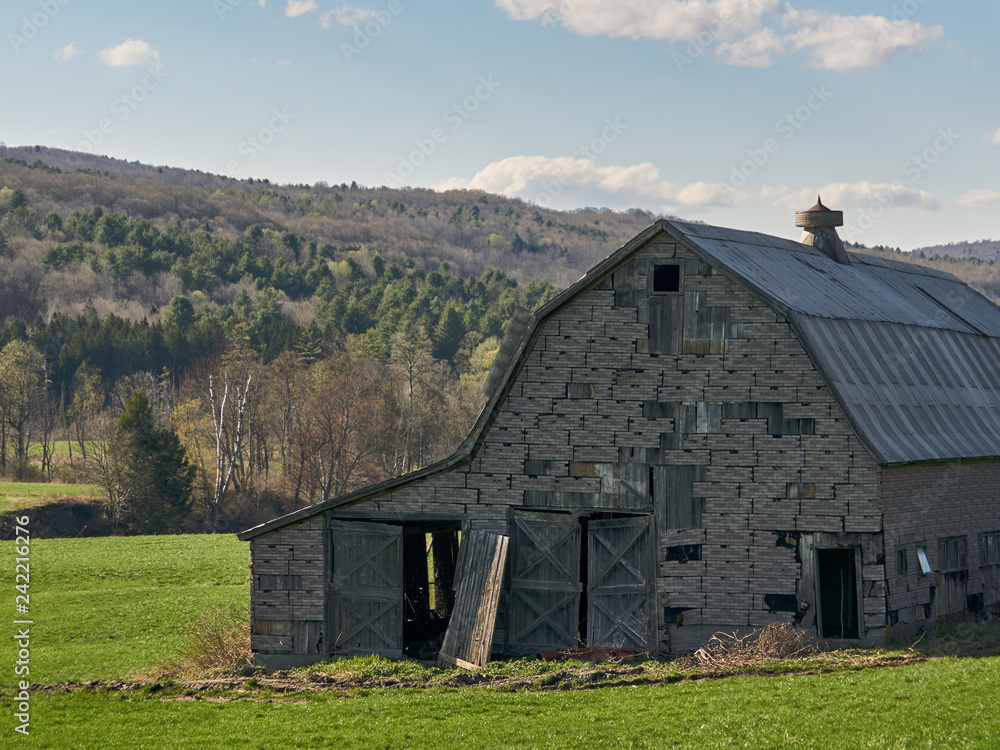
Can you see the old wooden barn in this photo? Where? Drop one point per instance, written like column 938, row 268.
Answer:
column 712, row 429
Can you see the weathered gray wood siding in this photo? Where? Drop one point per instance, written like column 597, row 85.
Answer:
column 287, row 595
column 715, row 421
column 924, row 505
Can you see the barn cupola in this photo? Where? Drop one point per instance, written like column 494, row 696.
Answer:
column 819, row 226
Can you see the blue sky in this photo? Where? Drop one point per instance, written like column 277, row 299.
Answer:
column 734, row 112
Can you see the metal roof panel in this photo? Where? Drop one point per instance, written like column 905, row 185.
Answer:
column 956, row 417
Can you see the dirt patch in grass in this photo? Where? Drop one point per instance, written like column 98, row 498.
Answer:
column 287, row 684
column 773, row 651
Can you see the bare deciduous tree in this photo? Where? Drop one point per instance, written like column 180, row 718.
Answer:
column 227, row 455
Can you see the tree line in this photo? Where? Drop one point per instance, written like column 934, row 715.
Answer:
column 238, row 437
column 314, row 371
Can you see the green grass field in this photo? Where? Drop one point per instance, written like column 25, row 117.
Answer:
column 946, row 703
column 61, row 448
column 104, row 608
column 107, row 606
column 23, row 495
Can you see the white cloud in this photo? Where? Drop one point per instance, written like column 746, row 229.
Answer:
column 347, row 15
column 993, row 137
column 261, row 3
column 68, row 52
column 565, row 182
column 284, row 62
column 129, row 52
column 738, row 30
column 674, row 20
column 296, row 8
column 846, row 42
column 979, row 199
column 846, row 195
column 752, row 51
column 544, row 180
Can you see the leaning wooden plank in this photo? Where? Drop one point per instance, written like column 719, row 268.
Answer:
column 469, row 636
column 482, row 633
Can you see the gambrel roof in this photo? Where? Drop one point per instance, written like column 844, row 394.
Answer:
column 911, row 354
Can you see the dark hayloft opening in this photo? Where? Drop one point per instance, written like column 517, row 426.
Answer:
column 667, row 278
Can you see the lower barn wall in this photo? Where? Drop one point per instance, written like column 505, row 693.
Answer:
column 928, row 506
column 287, row 597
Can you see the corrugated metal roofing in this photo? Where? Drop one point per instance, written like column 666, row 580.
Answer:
column 915, row 393
column 912, row 354
column 805, row 281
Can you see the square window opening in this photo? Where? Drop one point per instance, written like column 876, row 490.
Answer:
column 666, row 278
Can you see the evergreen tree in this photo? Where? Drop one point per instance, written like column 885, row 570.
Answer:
column 448, row 333
column 151, row 472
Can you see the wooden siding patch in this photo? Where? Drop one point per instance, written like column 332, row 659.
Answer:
column 469, row 636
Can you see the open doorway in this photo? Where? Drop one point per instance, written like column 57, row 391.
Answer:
column 430, row 554
column 837, row 593
column 391, row 587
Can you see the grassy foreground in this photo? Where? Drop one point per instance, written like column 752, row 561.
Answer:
column 947, row 703
column 105, row 607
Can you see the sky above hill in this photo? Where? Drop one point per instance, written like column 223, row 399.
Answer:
column 734, row 112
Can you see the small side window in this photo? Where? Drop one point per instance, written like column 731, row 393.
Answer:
column 951, row 554
column 901, row 562
column 667, row 278
column 989, row 548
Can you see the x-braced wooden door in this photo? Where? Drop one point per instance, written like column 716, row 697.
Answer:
column 621, row 583
column 366, row 588
column 545, row 583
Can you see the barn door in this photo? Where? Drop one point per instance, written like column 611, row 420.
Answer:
column 469, row 638
column 545, row 583
column 366, row 588
column 620, row 584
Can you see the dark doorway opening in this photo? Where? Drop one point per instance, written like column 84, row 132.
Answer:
column 836, row 583
column 584, row 576
column 430, row 554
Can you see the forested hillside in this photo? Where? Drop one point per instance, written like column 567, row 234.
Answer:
column 212, row 351
column 981, row 249
column 296, row 342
